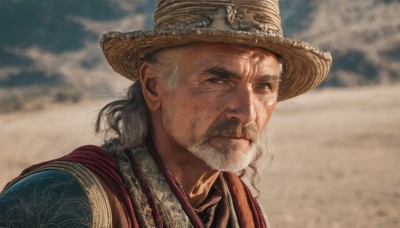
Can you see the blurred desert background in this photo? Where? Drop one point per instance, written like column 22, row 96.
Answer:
column 337, row 148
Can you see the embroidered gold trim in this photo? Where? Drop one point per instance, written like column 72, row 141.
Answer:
column 101, row 210
column 168, row 204
column 138, row 197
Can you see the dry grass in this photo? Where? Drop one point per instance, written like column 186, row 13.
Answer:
column 336, row 154
column 31, row 137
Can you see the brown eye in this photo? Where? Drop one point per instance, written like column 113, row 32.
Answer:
column 219, row 82
column 263, row 87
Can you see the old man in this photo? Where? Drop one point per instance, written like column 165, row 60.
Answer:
column 207, row 79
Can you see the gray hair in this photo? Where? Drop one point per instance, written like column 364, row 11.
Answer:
column 128, row 119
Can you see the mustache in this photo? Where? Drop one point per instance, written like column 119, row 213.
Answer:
column 233, row 129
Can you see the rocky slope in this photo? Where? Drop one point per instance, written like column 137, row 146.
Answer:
column 49, row 51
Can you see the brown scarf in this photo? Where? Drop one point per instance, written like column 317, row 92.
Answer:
column 247, row 209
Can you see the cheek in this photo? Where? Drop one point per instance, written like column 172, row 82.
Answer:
column 189, row 115
column 265, row 109
column 203, row 113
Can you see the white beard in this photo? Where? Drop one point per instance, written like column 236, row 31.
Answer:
column 229, row 160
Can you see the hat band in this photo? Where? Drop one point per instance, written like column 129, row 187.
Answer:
column 219, row 15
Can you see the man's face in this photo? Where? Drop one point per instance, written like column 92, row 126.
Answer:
column 221, row 102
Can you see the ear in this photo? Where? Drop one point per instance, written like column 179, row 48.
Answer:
column 150, row 86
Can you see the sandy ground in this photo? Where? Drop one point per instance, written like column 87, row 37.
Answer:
column 337, row 154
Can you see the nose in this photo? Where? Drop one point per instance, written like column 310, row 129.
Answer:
column 242, row 105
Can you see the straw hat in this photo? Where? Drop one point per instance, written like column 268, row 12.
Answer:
column 254, row 23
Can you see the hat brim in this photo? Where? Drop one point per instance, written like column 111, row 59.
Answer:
column 304, row 66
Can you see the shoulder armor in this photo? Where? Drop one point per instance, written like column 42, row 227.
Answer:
column 59, row 194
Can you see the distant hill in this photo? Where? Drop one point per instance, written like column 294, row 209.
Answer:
column 49, row 50
column 363, row 36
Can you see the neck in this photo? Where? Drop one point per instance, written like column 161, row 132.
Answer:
column 195, row 177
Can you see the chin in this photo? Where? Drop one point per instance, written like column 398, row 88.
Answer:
column 229, row 159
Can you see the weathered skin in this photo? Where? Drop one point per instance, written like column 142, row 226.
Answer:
column 215, row 83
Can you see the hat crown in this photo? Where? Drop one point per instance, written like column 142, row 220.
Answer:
column 256, row 16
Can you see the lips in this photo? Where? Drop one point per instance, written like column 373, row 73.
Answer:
column 237, row 137
column 230, row 138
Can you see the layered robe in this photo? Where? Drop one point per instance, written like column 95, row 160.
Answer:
column 134, row 188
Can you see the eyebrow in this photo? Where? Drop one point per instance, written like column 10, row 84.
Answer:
column 222, row 73
column 267, row 77
column 227, row 74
